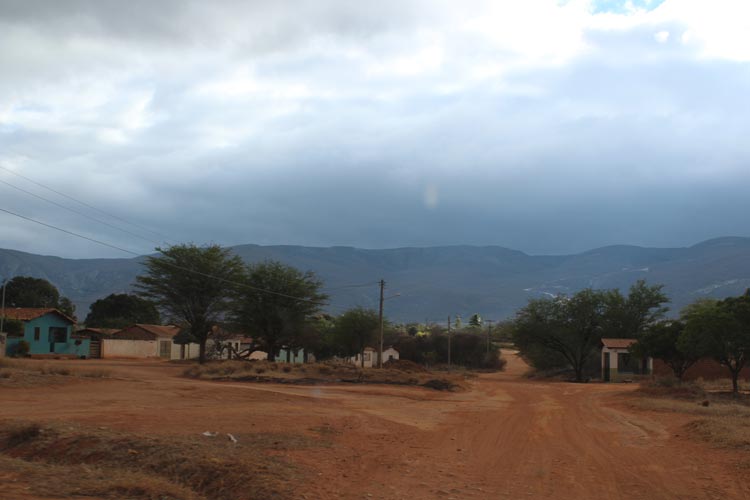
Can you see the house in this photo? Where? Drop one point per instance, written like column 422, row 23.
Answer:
column 49, row 333
column 147, row 341
column 371, row 357
column 618, row 363
column 285, row 355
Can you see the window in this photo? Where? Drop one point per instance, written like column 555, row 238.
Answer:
column 37, row 333
column 58, row 334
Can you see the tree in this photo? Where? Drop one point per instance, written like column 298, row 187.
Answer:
column 121, row 310
column 13, row 327
column 275, row 304
column 721, row 329
column 356, row 329
column 664, row 340
column 193, row 285
column 628, row 317
column 25, row 291
column 565, row 327
column 475, row 320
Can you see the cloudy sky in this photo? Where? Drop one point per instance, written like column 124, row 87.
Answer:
column 543, row 125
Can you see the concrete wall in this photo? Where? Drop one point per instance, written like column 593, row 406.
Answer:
column 116, row 348
column 614, row 374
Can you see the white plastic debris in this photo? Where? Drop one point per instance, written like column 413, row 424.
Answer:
column 232, row 438
column 210, row 434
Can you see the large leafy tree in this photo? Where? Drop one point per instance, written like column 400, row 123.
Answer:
column 665, row 340
column 356, row 329
column 121, row 310
column 721, row 329
column 193, row 285
column 564, row 327
column 275, row 305
column 25, row 291
column 628, row 317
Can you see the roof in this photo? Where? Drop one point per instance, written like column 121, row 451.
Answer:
column 141, row 331
column 30, row 313
column 100, row 331
column 618, row 343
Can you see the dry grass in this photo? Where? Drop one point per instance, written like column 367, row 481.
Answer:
column 30, row 372
column 721, row 420
column 115, row 465
column 323, row 373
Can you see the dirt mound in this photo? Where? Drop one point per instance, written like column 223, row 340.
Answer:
column 404, row 365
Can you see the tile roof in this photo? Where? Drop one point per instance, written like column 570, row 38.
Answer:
column 160, row 330
column 618, row 343
column 29, row 313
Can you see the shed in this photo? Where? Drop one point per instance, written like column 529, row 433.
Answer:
column 619, row 364
column 48, row 332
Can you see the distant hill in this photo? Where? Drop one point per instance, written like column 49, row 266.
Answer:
column 437, row 281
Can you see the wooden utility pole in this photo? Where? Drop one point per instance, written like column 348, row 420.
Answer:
column 489, row 327
column 380, row 351
column 449, row 342
column 2, row 315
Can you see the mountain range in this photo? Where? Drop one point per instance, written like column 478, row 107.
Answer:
column 428, row 284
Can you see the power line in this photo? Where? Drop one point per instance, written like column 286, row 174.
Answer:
column 79, row 212
column 175, row 266
column 85, row 204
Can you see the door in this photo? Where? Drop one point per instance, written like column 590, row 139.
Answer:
column 606, row 366
column 95, row 349
column 165, row 348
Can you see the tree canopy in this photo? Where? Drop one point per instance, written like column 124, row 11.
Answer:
column 120, row 310
column 356, row 329
column 25, row 291
column 193, row 285
column 665, row 340
column 275, row 305
column 566, row 330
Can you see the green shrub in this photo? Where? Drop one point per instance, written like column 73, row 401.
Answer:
column 21, row 349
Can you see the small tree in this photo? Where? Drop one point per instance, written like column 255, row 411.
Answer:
column 13, row 327
column 25, row 291
column 356, row 329
column 193, row 285
column 721, row 329
column 664, row 340
column 475, row 320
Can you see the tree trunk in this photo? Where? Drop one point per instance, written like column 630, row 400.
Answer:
column 202, row 351
column 735, row 385
column 362, row 358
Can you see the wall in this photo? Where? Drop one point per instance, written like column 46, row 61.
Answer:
column 116, row 348
column 706, row 368
column 614, row 374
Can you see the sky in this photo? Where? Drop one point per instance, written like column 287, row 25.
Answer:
column 545, row 126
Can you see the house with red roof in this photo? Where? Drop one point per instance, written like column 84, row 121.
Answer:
column 47, row 331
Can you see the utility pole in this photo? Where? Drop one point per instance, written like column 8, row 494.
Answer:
column 489, row 327
column 449, row 342
column 2, row 314
column 380, row 352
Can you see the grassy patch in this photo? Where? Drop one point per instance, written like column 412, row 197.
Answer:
column 720, row 419
column 105, row 464
column 322, row 373
column 30, row 372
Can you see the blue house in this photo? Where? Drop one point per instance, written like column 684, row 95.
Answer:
column 47, row 331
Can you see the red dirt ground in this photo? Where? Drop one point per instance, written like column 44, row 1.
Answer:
column 506, row 438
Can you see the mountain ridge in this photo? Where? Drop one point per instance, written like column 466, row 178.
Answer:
column 441, row 280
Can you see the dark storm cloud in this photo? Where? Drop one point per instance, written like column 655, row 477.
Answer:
column 395, row 125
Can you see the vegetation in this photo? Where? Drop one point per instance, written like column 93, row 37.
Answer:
column 194, row 285
column 25, row 291
column 721, row 330
column 276, row 305
column 567, row 331
column 356, row 329
column 121, row 310
column 13, row 327
column 667, row 341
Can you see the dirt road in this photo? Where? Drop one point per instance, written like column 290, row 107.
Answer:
column 505, row 438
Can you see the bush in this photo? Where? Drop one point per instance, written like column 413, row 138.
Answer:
column 287, row 369
column 20, row 350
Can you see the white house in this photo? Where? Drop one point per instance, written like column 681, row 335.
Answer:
column 618, row 363
column 371, row 357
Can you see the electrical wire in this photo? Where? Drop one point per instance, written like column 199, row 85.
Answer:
column 156, row 233
column 83, row 214
column 174, row 266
